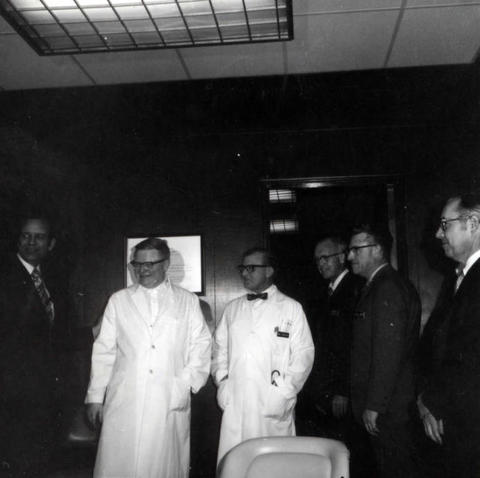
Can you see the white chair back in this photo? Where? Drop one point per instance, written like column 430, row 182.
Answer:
column 286, row 457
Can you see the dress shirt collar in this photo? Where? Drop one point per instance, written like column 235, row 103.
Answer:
column 269, row 290
column 155, row 291
column 333, row 285
column 470, row 261
column 27, row 266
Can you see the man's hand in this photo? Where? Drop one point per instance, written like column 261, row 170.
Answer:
column 433, row 427
column 95, row 414
column 339, row 406
column 369, row 418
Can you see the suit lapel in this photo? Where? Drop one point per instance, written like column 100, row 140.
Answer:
column 20, row 280
column 472, row 277
column 468, row 288
column 339, row 290
column 371, row 283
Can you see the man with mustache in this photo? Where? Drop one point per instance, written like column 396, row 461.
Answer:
column 34, row 341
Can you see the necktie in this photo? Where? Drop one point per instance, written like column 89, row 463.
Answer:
column 460, row 278
column 330, row 290
column 262, row 296
column 43, row 294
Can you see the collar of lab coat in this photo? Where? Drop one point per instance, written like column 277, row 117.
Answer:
column 275, row 300
column 140, row 299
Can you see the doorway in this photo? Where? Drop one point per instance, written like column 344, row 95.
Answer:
column 297, row 212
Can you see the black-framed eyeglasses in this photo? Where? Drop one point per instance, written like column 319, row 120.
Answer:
column 250, row 268
column 444, row 222
column 328, row 256
column 147, row 265
column 355, row 249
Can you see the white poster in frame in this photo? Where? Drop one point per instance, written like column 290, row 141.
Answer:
column 185, row 261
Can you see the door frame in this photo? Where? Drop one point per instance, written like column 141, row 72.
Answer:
column 396, row 207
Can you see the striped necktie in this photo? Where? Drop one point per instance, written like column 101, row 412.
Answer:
column 460, row 277
column 43, row 294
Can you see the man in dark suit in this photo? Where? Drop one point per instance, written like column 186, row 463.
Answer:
column 385, row 336
column 450, row 402
column 431, row 351
column 33, row 337
column 335, row 335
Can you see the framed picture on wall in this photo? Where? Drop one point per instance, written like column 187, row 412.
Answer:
column 186, row 265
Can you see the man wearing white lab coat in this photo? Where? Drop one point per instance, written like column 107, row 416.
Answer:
column 263, row 353
column 152, row 350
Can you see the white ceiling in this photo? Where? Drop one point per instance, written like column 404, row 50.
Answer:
column 329, row 35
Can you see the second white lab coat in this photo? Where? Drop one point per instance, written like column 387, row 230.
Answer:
column 145, row 367
column 252, row 340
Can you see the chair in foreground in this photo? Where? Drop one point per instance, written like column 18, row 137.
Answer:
column 286, row 457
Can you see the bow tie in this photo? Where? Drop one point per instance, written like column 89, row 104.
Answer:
column 263, row 296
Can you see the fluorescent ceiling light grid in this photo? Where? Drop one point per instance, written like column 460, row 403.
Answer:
column 82, row 26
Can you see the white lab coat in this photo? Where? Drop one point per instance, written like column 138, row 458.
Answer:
column 248, row 349
column 145, row 368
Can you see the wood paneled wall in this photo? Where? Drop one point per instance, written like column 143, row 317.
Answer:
column 188, row 158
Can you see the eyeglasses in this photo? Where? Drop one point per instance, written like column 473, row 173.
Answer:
column 326, row 257
column 444, row 222
column 250, row 268
column 355, row 249
column 147, row 265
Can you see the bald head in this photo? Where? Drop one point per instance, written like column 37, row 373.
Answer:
column 330, row 257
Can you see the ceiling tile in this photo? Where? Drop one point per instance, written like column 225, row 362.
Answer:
column 351, row 41
column 4, row 26
column 430, row 3
column 316, row 6
column 234, row 60
column 133, row 66
column 22, row 68
column 437, row 36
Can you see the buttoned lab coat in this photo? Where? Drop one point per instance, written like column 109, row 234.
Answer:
column 253, row 339
column 146, row 369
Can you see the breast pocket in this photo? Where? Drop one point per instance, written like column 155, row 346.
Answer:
column 359, row 316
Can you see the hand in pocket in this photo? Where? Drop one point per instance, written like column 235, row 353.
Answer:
column 180, row 399
column 276, row 404
column 222, row 394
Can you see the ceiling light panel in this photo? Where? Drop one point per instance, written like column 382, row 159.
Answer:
column 81, row 26
column 283, row 226
column 282, row 196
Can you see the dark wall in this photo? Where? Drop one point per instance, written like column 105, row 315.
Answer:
column 187, row 158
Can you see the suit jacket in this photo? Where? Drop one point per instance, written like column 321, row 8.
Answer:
column 385, row 336
column 31, row 352
column 453, row 392
column 335, row 336
column 433, row 339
